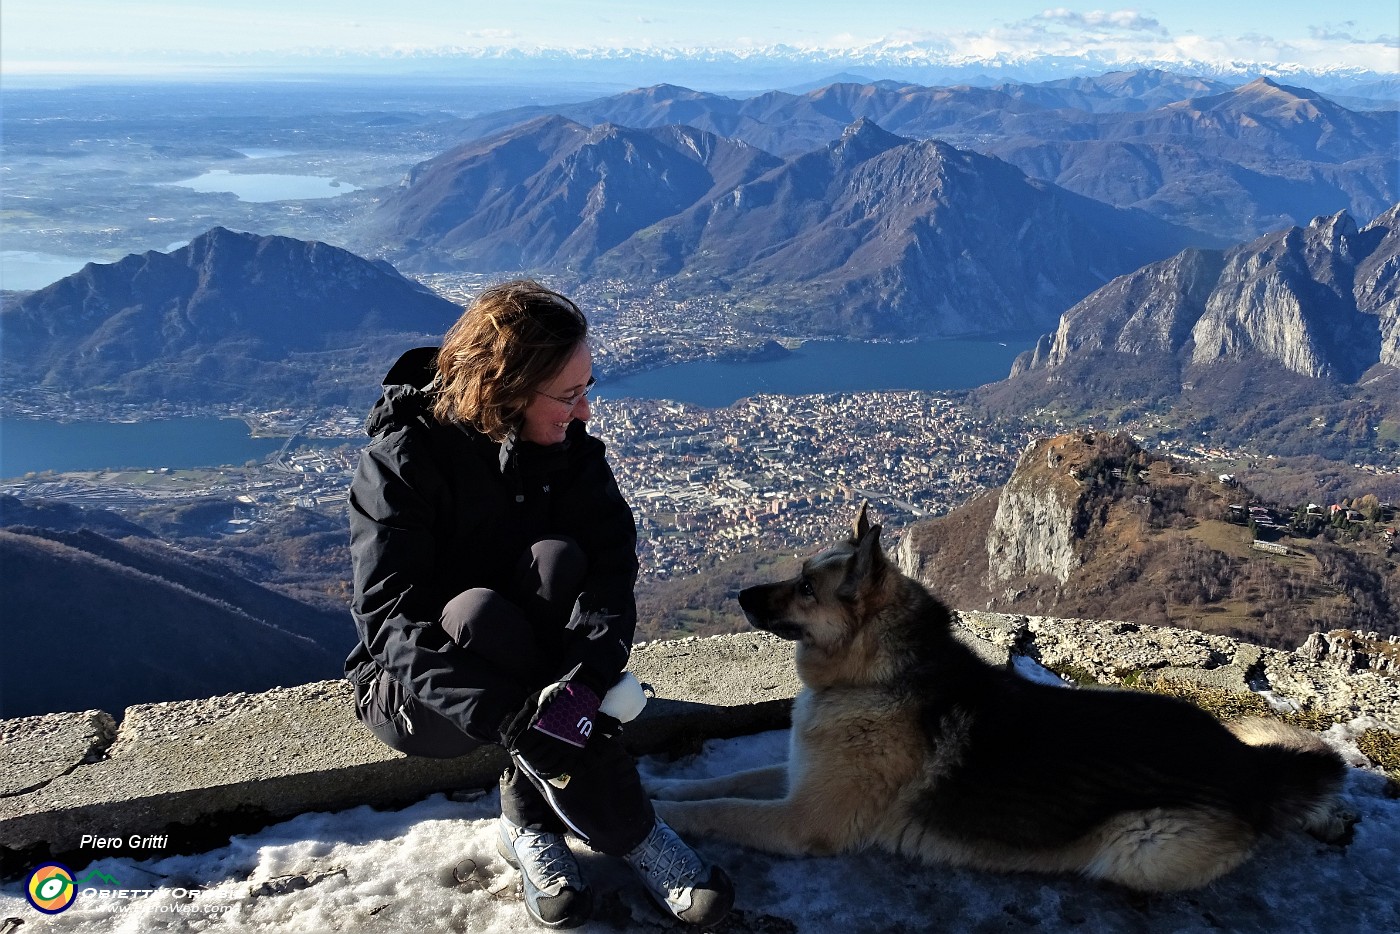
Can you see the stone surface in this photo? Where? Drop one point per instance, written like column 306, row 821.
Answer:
column 182, row 764
column 37, row 750
column 721, row 686
column 196, row 770
column 1033, row 530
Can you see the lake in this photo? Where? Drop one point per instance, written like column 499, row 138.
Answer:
column 826, row 366
column 265, row 187
column 32, row 444
column 26, row 270
column 254, row 152
column 822, row 366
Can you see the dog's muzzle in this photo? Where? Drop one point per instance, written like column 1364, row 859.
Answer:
column 754, row 602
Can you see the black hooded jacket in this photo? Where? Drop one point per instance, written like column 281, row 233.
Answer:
column 437, row 509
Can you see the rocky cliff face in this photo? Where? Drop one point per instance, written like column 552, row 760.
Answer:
column 1032, row 531
column 1288, row 344
column 1290, row 298
column 1151, row 311
column 1321, row 301
column 1376, row 284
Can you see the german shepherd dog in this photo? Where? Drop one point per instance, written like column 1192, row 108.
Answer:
column 903, row 739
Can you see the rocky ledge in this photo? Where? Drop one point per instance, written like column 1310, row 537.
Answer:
column 193, row 772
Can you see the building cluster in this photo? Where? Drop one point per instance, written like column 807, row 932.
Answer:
column 779, row 472
column 631, row 328
column 785, row 472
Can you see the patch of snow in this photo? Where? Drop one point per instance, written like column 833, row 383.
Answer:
column 1032, row 670
column 433, row 867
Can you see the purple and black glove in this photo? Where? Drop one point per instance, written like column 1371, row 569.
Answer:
column 552, row 729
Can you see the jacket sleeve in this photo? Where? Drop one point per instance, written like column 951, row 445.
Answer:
column 602, row 523
column 394, row 500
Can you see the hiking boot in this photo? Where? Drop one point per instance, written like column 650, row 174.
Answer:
column 555, row 895
column 679, row 880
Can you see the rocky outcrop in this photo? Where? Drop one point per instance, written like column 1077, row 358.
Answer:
column 1118, row 652
column 1090, row 525
column 1034, row 529
column 1351, row 651
column 1321, row 301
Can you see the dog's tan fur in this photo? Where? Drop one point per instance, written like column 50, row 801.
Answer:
column 894, row 744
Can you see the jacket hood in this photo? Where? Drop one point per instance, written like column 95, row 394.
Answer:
column 407, row 392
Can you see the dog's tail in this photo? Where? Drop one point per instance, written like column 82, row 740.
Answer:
column 1300, row 775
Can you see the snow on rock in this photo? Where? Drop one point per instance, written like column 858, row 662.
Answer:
column 433, row 867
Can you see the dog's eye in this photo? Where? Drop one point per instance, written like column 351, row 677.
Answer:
column 806, row 589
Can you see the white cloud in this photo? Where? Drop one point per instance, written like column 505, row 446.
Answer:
column 1128, row 20
column 490, row 35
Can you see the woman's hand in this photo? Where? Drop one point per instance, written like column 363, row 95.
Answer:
column 551, row 731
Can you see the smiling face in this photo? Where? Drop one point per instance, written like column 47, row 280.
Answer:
column 546, row 419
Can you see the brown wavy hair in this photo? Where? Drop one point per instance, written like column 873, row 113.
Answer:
column 512, row 339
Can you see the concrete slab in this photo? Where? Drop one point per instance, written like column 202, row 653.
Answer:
column 191, row 771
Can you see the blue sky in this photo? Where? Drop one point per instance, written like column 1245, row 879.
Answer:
column 90, row 35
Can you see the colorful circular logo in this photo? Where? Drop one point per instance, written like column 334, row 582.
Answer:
column 51, row 888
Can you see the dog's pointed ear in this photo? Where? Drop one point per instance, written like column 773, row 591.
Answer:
column 860, row 525
column 867, row 567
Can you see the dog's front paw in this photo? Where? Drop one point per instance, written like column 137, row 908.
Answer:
column 677, row 814
column 666, row 789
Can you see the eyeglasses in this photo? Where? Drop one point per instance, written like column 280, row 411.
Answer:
column 576, row 398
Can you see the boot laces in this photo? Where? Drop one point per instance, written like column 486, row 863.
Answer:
column 667, row 862
column 550, row 860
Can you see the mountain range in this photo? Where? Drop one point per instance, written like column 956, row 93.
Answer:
column 1285, row 339
column 784, row 65
column 556, row 193
column 871, row 234
column 1290, row 342
column 229, row 317
column 1230, row 163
